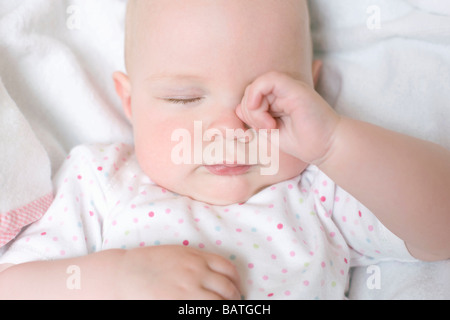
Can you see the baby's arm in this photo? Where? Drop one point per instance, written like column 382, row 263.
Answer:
column 404, row 181
column 163, row 272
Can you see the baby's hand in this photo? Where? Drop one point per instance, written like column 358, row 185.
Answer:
column 305, row 121
column 176, row 273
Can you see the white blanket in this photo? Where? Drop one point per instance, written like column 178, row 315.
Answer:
column 385, row 61
column 25, row 180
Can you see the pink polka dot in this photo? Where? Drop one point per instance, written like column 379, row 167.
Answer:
column 306, row 283
column 62, row 252
column 168, row 211
column 185, row 243
column 100, row 169
column 135, row 220
column 265, row 277
column 151, row 214
column 238, row 230
column 133, row 206
column 270, row 295
column 271, row 206
column 269, row 238
column 218, row 242
column 142, row 244
column 284, row 271
column 332, row 234
column 273, row 256
column 292, row 253
column 323, row 199
column 290, row 186
column 79, row 177
column 180, row 221
column 250, row 265
column 370, row 228
column 323, row 264
column 280, row 226
column 287, row 293
column 201, row 245
column 91, row 213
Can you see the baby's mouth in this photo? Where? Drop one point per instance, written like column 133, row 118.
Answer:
column 228, row 169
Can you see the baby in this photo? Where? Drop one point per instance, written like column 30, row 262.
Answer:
column 132, row 223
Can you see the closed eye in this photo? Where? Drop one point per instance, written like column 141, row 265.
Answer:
column 183, row 100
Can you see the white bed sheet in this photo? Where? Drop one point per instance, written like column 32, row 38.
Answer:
column 385, row 61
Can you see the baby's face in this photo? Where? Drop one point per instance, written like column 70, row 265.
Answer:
column 189, row 63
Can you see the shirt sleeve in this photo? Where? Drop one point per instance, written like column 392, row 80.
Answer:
column 72, row 226
column 369, row 240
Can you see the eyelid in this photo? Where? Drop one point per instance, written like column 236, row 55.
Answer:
column 182, row 99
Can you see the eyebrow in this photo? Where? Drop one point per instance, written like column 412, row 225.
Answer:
column 178, row 77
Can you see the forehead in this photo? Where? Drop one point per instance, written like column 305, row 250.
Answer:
column 184, row 31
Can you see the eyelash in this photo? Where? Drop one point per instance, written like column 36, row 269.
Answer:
column 183, row 101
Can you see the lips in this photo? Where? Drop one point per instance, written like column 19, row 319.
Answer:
column 228, row 170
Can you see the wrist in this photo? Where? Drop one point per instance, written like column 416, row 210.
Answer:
column 331, row 142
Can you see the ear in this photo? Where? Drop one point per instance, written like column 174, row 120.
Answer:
column 316, row 68
column 123, row 90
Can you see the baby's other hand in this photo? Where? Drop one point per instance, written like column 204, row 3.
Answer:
column 305, row 121
column 176, row 273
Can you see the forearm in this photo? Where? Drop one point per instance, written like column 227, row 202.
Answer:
column 52, row 279
column 404, row 181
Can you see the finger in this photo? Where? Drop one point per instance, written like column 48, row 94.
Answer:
column 257, row 116
column 221, row 285
column 279, row 89
column 222, row 266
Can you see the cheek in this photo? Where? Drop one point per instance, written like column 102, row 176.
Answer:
column 153, row 139
column 153, row 145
